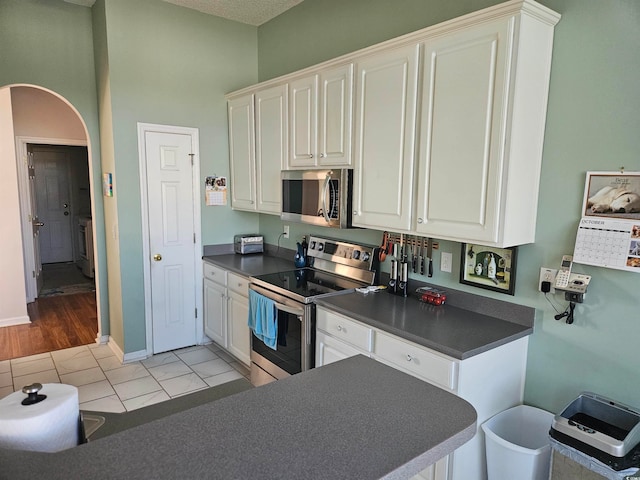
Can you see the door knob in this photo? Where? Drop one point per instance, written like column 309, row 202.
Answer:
column 157, row 257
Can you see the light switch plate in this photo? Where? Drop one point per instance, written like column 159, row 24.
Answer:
column 446, row 259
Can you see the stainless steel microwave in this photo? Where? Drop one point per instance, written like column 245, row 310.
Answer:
column 318, row 197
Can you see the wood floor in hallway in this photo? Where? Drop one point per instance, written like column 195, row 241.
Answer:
column 56, row 322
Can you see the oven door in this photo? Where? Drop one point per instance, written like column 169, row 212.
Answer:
column 295, row 346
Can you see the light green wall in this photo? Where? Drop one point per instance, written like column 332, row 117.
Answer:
column 170, row 65
column 592, row 125
column 49, row 44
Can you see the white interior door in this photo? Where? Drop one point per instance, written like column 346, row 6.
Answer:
column 172, row 247
column 53, row 200
column 35, row 222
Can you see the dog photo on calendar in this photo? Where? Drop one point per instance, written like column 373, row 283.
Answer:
column 613, row 195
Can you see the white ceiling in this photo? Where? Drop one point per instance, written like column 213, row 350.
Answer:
column 253, row 12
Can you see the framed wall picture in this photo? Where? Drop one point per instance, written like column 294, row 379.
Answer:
column 491, row 268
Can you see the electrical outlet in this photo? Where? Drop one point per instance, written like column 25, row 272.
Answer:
column 547, row 275
column 446, row 259
column 286, row 231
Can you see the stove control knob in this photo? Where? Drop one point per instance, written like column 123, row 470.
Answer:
column 365, row 257
column 356, row 254
column 312, row 245
column 320, row 247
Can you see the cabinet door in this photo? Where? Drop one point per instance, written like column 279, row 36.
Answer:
column 238, row 333
column 386, row 86
column 335, row 127
column 437, row 471
column 303, row 117
column 215, row 312
column 242, row 153
column 462, row 133
column 271, row 147
column 329, row 349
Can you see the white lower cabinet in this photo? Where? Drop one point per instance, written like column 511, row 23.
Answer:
column 330, row 349
column 491, row 381
column 226, row 308
column 238, row 333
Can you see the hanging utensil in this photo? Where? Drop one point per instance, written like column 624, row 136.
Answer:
column 422, row 256
column 382, row 255
column 430, row 255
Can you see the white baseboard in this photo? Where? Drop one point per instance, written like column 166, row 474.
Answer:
column 126, row 357
column 7, row 322
column 102, row 339
column 135, row 356
column 115, row 349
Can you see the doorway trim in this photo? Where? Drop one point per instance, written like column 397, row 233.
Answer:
column 143, row 128
column 25, row 202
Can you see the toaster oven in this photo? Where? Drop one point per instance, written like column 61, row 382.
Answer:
column 248, row 243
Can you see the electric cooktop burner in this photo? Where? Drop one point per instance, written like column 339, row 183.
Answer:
column 308, row 283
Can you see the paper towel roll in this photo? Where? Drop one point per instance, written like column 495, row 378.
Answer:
column 48, row 426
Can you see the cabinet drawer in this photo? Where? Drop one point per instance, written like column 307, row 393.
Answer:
column 238, row 284
column 345, row 329
column 214, row 273
column 417, row 360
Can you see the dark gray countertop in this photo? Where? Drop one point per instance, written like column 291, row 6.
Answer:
column 458, row 332
column 447, row 329
column 356, row 418
column 250, row 265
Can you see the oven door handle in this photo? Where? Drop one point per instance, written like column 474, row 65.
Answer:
column 298, row 312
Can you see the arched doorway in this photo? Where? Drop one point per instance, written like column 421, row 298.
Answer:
column 45, row 121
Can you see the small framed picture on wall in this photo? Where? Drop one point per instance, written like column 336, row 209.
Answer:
column 491, row 268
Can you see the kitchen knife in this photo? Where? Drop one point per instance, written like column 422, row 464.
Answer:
column 421, row 258
column 430, row 254
column 414, row 256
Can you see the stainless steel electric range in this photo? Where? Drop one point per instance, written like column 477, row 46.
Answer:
column 335, row 267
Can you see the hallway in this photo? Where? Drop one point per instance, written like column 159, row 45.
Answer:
column 57, row 322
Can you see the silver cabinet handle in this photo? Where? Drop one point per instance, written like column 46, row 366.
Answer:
column 311, row 155
column 409, row 358
column 322, row 155
column 340, row 328
column 38, row 224
column 355, row 213
column 420, row 220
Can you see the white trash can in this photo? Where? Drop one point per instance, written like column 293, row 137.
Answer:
column 517, row 443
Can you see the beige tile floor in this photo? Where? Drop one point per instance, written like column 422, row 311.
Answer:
column 105, row 385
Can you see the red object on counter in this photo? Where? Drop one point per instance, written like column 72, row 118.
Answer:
column 434, row 297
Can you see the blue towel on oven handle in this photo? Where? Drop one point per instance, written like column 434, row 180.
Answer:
column 263, row 318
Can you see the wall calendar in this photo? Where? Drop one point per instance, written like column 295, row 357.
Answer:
column 609, row 230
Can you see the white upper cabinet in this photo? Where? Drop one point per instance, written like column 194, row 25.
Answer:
column 385, row 115
column 483, row 113
column 271, row 146
column 242, row 152
column 448, row 127
column 320, row 118
column 258, row 149
column 335, row 124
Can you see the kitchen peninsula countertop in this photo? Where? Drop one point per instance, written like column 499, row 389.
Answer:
column 355, row 418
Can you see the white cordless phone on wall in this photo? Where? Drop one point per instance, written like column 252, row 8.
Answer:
column 562, row 278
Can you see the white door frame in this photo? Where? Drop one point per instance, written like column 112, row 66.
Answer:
column 143, row 128
column 25, row 202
